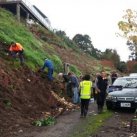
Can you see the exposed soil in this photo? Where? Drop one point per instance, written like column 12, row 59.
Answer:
column 25, row 96
column 67, row 125
column 31, row 99
column 107, row 63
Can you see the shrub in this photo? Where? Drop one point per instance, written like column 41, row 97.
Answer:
column 45, row 122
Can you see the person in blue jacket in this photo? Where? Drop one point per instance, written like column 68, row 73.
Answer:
column 49, row 64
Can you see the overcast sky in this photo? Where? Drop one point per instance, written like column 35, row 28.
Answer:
column 96, row 18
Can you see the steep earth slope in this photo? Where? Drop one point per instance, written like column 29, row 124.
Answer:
column 25, row 95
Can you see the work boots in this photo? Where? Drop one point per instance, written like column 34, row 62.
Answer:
column 100, row 109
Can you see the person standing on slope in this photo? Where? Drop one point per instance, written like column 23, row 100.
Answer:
column 49, row 64
column 15, row 50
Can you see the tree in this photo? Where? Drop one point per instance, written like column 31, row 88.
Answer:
column 134, row 68
column 85, row 44
column 112, row 55
column 115, row 58
column 107, row 54
column 129, row 31
column 122, row 67
column 61, row 33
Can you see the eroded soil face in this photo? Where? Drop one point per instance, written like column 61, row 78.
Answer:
column 24, row 97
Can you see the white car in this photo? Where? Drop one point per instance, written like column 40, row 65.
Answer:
column 133, row 74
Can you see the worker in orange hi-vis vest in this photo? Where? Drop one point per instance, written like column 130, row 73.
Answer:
column 15, row 50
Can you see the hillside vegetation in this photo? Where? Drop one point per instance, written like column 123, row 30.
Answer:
column 44, row 44
column 25, row 94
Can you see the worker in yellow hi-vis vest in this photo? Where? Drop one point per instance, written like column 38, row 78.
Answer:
column 85, row 94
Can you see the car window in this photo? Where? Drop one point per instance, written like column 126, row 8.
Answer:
column 126, row 82
column 119, row 82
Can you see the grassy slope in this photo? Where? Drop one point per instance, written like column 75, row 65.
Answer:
column 49, row 46
column 10, row 30
column 36, row 50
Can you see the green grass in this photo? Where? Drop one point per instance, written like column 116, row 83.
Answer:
column 35, row 49
column 35, row 52
column 74, row 69
column 91, row 124
column 10, row 30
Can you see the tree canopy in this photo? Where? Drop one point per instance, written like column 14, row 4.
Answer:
column 111, row 54
column 128, row 27
column 84, row 43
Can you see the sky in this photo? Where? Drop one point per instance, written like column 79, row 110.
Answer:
column 96, row 18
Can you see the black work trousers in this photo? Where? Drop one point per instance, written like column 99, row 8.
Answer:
column 101, row 100
column 84, row 106
column 94, row 94
column 19, row 54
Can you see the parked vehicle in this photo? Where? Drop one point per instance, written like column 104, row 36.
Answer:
column 117, row 85
column 126, row 97
column 133, row 74
column 114, row 88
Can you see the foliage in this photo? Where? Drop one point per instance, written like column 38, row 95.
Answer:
column 7, row 102
column 13, row 31
column 34, row 50
column 122, row 67
column 74, row 69
column 128, row 27
column 46, row 35
column 110, row 54
column 61, row 33
column 134, row 68
column 57, row 63
column 45, row 122
column 107, row 69
column 67, row 41
column 85, row 44
column 38, row 48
